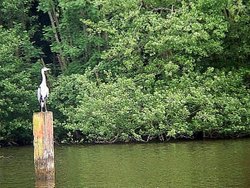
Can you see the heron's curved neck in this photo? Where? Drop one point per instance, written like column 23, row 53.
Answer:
column 43, row 78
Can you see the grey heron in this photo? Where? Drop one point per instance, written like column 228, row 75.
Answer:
column 43, row 90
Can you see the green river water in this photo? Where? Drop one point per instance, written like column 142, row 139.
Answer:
column 220, row 163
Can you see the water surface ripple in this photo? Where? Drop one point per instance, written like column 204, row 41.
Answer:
column 223, row 163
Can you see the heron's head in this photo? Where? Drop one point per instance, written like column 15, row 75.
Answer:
column 44, row 69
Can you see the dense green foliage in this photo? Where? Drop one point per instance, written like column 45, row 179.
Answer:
column 214, row 103
column 127, row 70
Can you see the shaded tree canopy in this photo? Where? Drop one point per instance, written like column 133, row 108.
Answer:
column 124, row 71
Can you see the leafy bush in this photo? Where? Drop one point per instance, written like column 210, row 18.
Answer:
column 17, row 96
column 215, row 103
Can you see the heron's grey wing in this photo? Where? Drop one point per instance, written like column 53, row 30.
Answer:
column 47, row 91
column 39, row 94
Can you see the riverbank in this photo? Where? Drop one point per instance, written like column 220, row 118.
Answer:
column 198, row 137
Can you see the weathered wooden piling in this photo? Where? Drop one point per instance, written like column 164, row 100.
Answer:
column 43, row 145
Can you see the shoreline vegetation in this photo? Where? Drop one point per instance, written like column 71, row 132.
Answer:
column 154, row 141
column 126, row 71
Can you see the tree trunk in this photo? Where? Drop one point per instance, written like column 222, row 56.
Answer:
column 55, row 26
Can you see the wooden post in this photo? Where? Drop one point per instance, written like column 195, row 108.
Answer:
column 43, row 146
